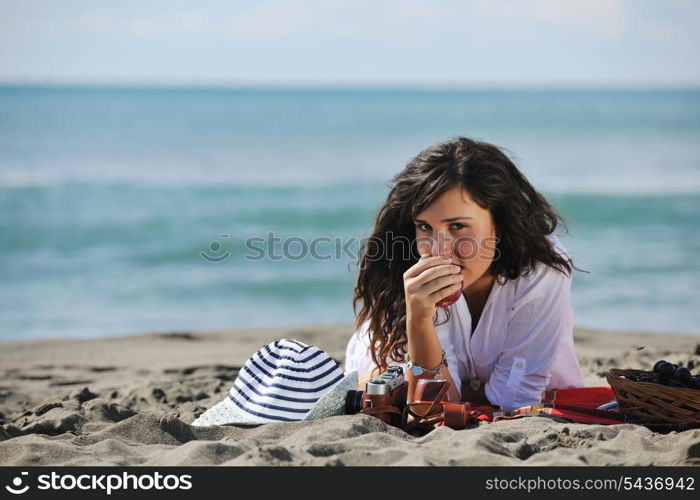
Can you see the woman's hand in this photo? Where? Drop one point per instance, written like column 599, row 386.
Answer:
column 427, row 282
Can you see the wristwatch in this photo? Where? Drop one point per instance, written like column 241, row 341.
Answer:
column 419, row 370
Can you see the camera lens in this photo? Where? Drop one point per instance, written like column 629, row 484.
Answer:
column 353, row 402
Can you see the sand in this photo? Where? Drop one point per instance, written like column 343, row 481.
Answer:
column 130, row 401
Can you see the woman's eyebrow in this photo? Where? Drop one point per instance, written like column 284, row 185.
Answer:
column 445, row 220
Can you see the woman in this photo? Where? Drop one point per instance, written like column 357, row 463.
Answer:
column 473, row 224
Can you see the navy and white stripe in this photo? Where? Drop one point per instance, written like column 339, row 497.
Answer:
column 283, row 380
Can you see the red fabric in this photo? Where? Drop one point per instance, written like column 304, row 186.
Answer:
column 580, row 404
column 586, row 397
column 583, row 418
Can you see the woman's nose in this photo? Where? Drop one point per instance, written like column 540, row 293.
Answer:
column 442, row 246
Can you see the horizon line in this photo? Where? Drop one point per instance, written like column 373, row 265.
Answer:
column 331, row 86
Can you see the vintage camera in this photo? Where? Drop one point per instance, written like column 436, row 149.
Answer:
column 386, row 389
column 387, row 382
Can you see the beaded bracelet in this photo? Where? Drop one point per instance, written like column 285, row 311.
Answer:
column 419, row 370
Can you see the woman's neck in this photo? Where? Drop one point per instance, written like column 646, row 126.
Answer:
column 478, row 292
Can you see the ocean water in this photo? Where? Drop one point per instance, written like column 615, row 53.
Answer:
column 130, row 210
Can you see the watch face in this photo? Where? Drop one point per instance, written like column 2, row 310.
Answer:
column 417, row 370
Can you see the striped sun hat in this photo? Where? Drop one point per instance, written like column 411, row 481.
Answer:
column 284, row 381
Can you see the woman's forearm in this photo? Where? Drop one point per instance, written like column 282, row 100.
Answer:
column 423, row 343
column 424, row 350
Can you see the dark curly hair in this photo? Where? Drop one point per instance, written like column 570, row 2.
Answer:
column 522, row 218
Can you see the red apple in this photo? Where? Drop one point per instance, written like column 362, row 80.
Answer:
column 449, row 300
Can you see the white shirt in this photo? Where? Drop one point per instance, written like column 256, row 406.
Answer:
column 522, row 345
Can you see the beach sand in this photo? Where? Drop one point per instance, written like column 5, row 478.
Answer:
column 130, row 401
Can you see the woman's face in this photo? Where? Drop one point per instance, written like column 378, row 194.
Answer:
column 455, row 225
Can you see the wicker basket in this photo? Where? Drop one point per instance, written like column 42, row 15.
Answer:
column 646, row 402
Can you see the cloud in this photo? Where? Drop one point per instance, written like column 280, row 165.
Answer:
column 151, row 25
column 601, row 18
column 455, row 41
column 95, row 22
column 271, row 19
column 262, row 19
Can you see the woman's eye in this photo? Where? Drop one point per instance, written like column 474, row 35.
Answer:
column 456, row 226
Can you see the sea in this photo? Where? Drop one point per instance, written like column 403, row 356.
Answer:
column 126, row 209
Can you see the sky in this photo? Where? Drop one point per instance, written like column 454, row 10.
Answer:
column 435, row 43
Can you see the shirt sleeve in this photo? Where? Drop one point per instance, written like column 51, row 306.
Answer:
column 357, row 354
column 358, row 357
column 540, row 321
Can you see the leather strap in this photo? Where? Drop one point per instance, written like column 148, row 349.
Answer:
column 433, row 415
column 373, row 410
column 438, row 397
column 428, row 414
